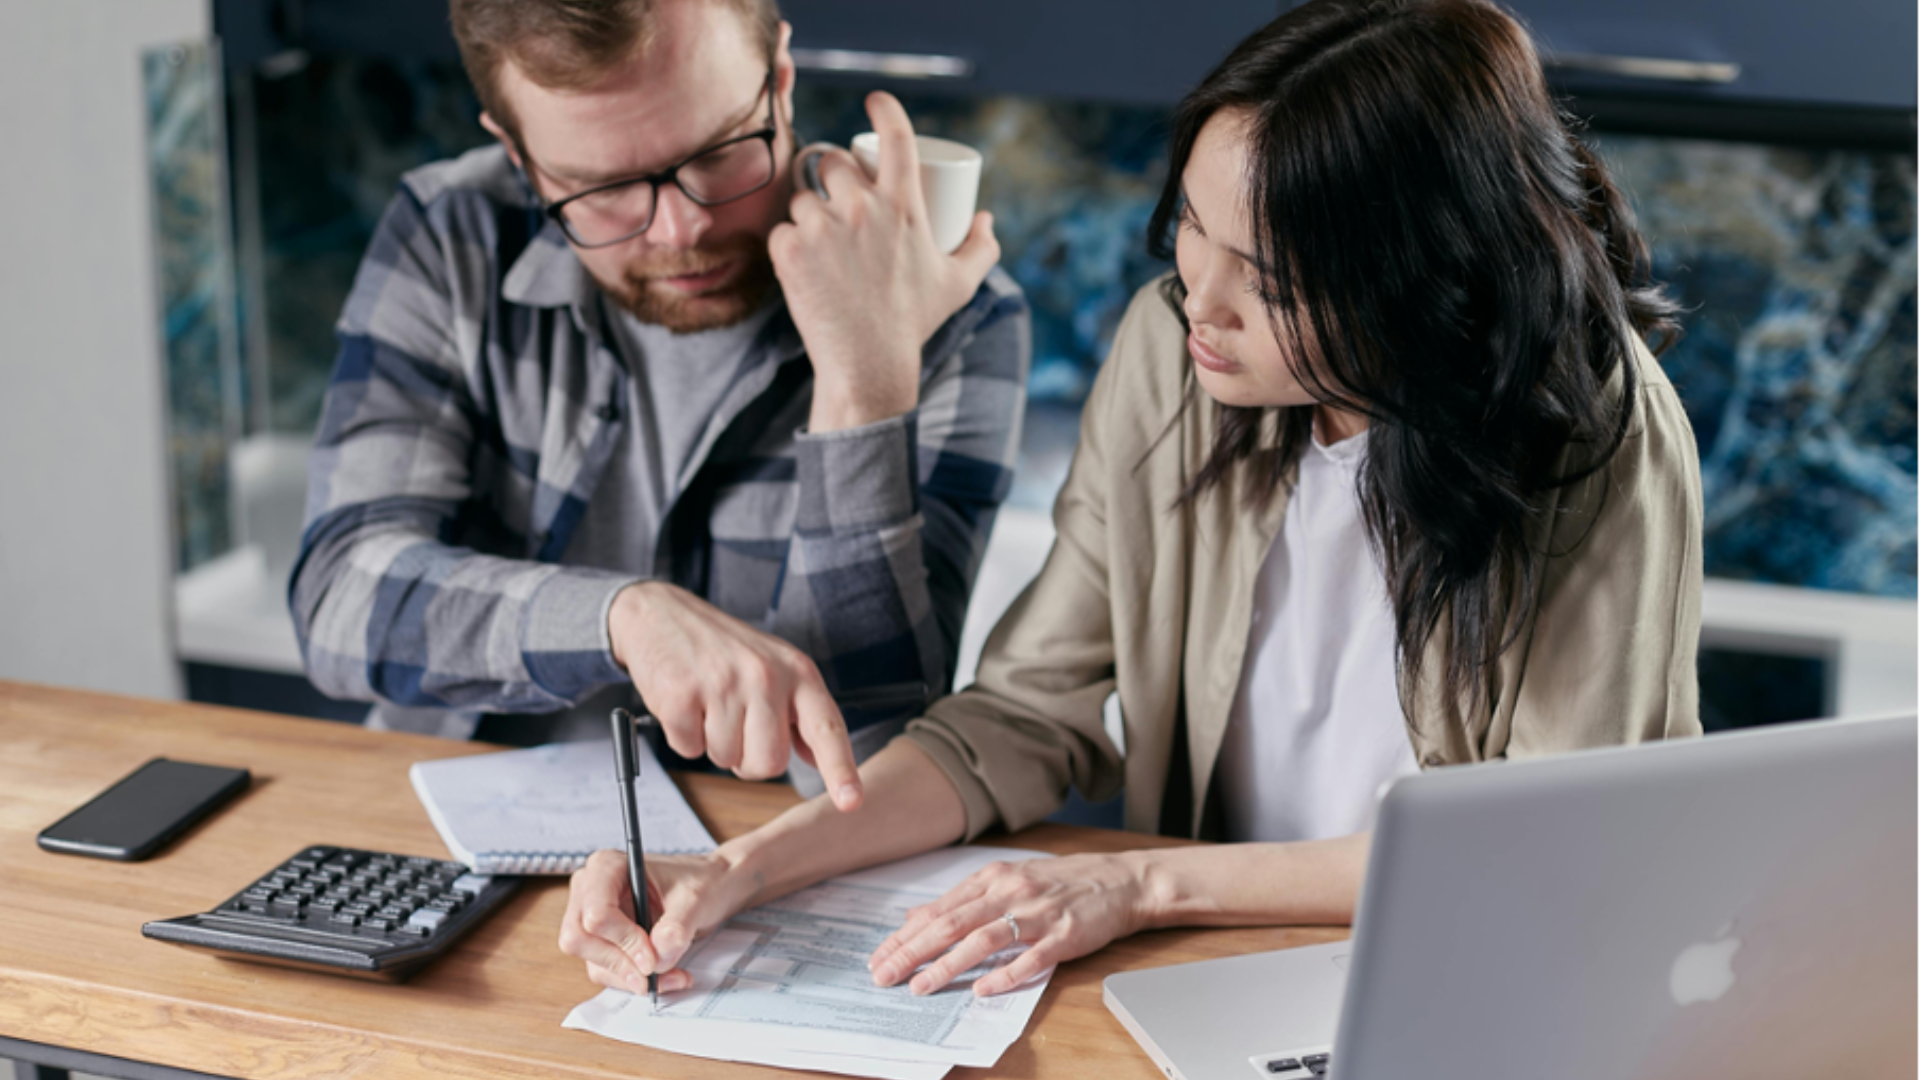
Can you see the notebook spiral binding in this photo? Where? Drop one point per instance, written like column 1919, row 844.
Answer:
column 529, row 862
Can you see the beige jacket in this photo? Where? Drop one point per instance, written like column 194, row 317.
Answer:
column 1154, row 602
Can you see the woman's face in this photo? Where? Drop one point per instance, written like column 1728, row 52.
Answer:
column 1235, row 354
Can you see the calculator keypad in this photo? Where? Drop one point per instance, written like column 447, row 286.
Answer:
column 361, row 893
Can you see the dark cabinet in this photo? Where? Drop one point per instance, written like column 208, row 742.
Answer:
column 1833, row 53
column 1131, row 51
column 1837, row 52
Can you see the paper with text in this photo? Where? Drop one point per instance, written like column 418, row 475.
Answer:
column 787, row 984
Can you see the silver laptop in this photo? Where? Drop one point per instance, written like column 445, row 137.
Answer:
column 1736, row 906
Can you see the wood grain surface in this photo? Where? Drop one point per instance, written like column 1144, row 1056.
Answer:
column 75, row 972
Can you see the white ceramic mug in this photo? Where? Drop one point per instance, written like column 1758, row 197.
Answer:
column 949, row 182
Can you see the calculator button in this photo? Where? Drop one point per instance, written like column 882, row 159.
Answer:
column 325, row 905
column 427, row 920
column 378, row 923
column 470, row 883
column 344, row 918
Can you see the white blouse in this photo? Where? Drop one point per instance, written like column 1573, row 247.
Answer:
column 1316, row 726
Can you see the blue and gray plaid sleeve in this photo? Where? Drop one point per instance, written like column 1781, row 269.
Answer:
column 894, row 517
column 384, row 606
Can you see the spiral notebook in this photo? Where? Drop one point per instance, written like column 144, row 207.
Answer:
column 544, row 810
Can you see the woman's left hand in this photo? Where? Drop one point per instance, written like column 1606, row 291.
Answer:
column 1065, row 908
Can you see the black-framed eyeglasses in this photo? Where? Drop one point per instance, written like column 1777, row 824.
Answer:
column 734, row 169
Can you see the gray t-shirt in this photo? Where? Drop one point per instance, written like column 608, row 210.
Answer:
column 678, row 381
column 676, row 386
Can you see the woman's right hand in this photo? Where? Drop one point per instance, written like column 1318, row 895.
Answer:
column 689, row 895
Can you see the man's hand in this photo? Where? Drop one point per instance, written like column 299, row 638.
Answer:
column 721, row 688
column 689, row 896
column 864, row 281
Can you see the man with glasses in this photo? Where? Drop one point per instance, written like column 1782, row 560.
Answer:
column 619, row 412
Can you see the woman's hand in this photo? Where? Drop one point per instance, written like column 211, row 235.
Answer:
column 1065, row 907
column 689, row 895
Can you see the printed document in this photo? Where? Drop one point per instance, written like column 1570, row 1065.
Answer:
column 787, row 984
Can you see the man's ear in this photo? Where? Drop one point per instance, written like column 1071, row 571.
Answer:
column 784, row 71
column 494, row 129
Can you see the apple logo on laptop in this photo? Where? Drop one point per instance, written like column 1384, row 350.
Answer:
column 1704, row 971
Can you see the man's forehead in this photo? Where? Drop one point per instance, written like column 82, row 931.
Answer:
column 694, row 79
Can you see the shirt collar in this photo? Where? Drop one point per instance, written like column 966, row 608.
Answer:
column 548, row 273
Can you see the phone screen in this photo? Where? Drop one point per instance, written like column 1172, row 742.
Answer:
column 134, row 817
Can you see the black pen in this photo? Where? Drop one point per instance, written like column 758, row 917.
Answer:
column 626, row 770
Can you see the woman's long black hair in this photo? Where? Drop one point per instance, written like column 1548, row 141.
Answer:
column 1429, row 230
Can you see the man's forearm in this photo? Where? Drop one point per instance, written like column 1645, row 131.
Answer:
column 358, row 643
column 910, row 806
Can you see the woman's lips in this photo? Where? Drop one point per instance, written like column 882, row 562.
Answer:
column 1209, row 359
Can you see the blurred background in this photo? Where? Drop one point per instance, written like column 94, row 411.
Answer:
column 194, row 182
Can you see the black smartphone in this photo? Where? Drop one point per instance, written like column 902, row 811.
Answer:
column 143, row 811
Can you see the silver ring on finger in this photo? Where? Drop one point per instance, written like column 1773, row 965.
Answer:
column 1012, row 925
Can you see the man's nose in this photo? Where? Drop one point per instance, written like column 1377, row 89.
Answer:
column 678, row 221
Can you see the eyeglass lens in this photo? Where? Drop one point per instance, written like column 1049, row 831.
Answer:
column 722, row 174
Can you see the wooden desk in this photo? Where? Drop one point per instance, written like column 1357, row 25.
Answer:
column 75, row 972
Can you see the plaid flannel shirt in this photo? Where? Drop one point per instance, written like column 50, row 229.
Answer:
column 476, row 403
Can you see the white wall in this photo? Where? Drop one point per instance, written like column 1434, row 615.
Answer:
column 85, row 540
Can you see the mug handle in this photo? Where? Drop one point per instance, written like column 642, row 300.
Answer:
column 810, row 171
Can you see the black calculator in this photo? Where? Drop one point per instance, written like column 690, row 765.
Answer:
column 348, row 912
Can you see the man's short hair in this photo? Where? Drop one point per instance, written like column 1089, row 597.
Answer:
column 568, row 44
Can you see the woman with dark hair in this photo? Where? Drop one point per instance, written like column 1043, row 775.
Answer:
column 1383, row 477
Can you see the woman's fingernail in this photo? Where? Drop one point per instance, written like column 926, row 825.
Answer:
column 637, row 983
column 846, row 796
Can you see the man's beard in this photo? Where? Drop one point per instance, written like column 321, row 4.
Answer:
column 725, row 306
